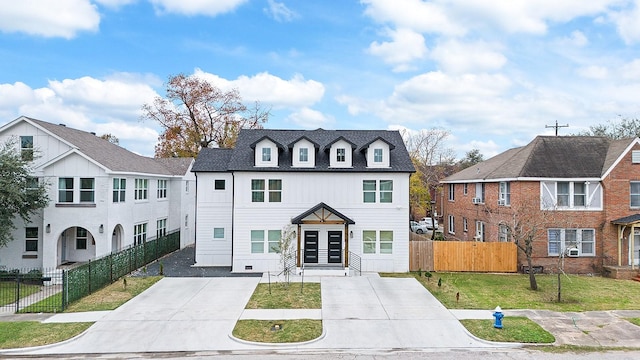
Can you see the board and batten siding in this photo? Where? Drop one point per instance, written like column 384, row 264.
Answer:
column 304, row 190
column 214, row 210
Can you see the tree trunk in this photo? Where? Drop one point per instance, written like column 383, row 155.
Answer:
column 533, row 284
column 559, row 288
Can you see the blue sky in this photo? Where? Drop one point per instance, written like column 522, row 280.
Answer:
column 494, row 73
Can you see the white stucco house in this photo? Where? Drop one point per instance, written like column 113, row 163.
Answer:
column 103, row 197
column 345, row 193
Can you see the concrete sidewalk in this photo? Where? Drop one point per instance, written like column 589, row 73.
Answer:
column 199, row 314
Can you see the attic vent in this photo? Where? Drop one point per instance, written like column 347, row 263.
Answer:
column 63, row 125
column 635, row 156
column 92, row 133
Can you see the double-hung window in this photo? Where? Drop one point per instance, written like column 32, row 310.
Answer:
column 266, row 154
column 275, row 190
column 369, row 241
column 386, row 242
column 369, row 191
column 65, row 190
column 341, row 154
column 562, row 196
column 31, row 239
column 87, row 190
column 273, row 239
column 377, row 155
column 141, row 189
column 257, row 241
column 451, row 224
column 386, row 191
column 161, row 228
column 562, row 240
column 303, row 155
column 634, row 192
column 26, row 148
column 162, row 189
column 504, row 196
column 579, row 194
column 452, row 192
column 119, row 189
column 257, row 190
column 81, row 238
column 503, row 233
column 479, row 231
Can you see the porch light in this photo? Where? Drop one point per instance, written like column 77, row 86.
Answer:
column 48, row 229
column 351, row 234
column 101, row 229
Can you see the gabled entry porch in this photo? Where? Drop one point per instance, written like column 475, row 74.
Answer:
column 322, row 238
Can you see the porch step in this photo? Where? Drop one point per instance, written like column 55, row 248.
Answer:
column 325, row 272
column 637, row 278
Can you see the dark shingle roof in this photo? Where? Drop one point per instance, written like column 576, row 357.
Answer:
column 212, row 160
column 114, row 157
column 549, row 157
column 242, row 156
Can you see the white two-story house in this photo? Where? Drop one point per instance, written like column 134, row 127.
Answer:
column 102, row 197
column 344, row 193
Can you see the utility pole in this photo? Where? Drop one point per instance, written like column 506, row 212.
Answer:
column 556, row 126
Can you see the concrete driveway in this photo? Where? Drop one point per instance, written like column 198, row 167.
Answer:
column 198, row 314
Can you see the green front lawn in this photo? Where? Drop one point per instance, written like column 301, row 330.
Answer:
column 511, row 291
column 8, row 291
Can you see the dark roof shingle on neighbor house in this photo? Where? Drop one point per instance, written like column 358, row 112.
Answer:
column 549, row 157
column 242, row 158
column 114, row 157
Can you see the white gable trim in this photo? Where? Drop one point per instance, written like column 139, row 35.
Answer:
column 622, row 155
column 77, row 152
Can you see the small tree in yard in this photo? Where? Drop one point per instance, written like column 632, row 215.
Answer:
column 523, row 225
column 21, row 195
column 286, row 249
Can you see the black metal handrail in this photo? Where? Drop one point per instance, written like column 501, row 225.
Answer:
column 355, row 262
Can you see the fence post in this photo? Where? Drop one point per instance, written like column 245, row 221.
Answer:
column 17, row 292
column 65, row 290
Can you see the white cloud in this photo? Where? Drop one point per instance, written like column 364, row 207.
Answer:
column 60, row 18
column 593, row 72
column 271, row 90
column 115, row 4
column 421, row 16
column 310, row 119
column 103, row 106
column 575, row 39
column 196, row 7
column 628, row 23
column 631, row 70
column 458, row 57
column 280, row 12
column 406, row 46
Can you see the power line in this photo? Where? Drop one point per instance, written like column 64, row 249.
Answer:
column 556, row 126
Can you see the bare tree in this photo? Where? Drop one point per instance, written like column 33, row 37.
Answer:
column 195, row 114
column 110, row 138
column 524, row 223
column 433, row 160
column 286, row 249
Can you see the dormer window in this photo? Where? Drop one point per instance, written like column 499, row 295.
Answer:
column 266, row 154
column 304, row 155
column 341, row 154
column 377, row 155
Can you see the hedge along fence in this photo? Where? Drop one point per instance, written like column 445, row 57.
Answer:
column 96, row 274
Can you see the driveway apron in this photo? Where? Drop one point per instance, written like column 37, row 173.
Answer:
column 199, row 314
column 385, row 313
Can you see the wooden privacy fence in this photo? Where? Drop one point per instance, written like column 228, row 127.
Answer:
column 463, row 256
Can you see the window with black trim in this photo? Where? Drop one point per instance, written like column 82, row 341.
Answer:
column 31, row 239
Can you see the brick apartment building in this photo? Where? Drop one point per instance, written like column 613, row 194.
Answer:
column 582, row 193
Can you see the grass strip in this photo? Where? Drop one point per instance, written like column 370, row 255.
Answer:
column 515, row 329
column 32, row 333
column 286, row 296
column 288, row 331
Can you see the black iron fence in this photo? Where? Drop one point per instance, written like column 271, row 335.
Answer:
column 51, row 290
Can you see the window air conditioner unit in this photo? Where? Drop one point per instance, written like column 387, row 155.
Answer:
column 502, row 202
column 477, row 238
column 573, row 252
column 477, row 201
